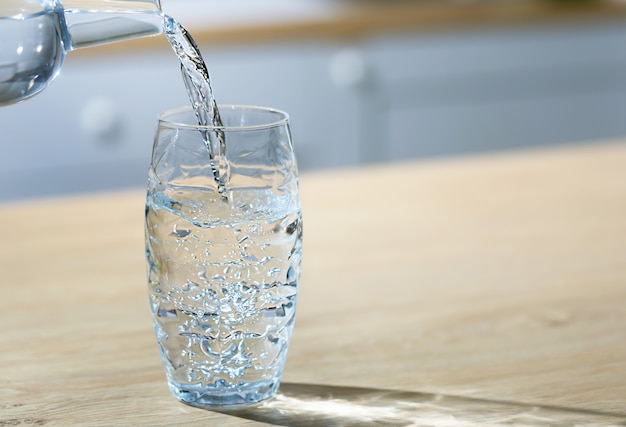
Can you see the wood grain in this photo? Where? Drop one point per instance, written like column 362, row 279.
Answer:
column 496, row 277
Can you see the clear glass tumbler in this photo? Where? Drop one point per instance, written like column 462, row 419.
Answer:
column 223, row 261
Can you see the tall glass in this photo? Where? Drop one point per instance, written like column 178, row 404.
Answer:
column 223, row 268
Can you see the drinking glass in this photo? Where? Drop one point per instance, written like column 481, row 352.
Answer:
column 223, row 260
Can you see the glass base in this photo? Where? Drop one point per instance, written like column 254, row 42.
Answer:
column 221, row 394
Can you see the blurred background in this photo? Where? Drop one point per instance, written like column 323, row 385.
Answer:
column 364, row 81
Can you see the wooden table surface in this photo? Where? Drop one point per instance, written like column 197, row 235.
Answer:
column 486, row 290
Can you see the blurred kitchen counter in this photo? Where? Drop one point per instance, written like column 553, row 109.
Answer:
column 353, row 19
column 384, row 81
column 214, row 22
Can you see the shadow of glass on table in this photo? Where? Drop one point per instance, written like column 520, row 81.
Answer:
column 309, row 405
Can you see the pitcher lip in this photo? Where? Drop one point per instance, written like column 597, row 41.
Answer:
column 282, row 118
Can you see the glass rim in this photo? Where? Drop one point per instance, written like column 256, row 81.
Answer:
column 281, row 120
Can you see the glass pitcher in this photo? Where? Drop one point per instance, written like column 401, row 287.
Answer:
column 37, row 34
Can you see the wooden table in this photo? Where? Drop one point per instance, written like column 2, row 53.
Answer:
column 464, row 292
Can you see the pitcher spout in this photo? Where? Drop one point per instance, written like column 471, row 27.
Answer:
column 96, row 22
